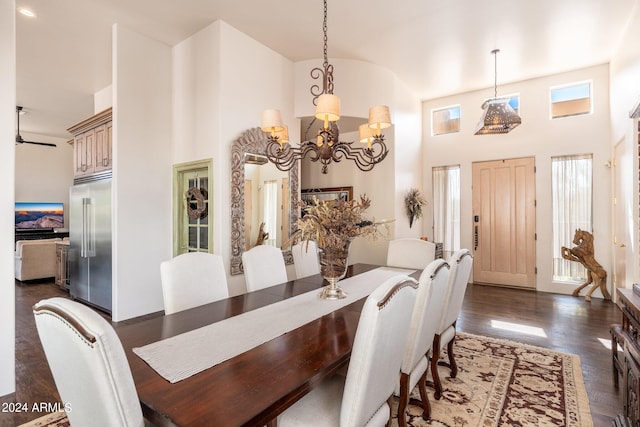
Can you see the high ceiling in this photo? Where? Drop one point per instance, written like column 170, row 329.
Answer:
column 437, row 48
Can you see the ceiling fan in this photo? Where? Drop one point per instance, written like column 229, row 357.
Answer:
column 20, row 140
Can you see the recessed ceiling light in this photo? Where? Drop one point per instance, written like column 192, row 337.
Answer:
column 27, row 12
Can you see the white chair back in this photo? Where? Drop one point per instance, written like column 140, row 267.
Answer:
column 410, row 253
column 427, row 313
column 263, row 267
column 460, row 262
column 88, row 363
column 192, row 279
column 305, row 258
column 377, row 353
column 425, row 319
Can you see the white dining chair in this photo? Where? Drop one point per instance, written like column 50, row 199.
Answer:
column 263, row 267
column 305, row 258
column 363, row 396
column 88, row 364
column 192, row 279
column 410, row 253
column 461, row 262
column 425, row 318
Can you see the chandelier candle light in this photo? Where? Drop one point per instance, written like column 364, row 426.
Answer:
column 498, row 116
column 327, row 147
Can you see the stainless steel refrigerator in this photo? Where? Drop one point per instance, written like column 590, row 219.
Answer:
column 90, row 243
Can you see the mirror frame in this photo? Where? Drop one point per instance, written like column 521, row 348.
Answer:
column 253, row 141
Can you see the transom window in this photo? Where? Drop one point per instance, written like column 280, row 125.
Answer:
column 514, row 101
column 571, row 100
column 445, row 120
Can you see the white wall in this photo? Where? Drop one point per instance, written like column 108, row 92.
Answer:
column 7, row 177
column 222, row 81
column 625, row 94
column 361, row 85
column 44, row 174
column 103, row 99
column 540, row 137
column 408, row 146
column 141, row 171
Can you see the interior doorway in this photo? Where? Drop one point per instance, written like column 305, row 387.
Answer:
column 192, row 219
column 622, row 184
column 504, row 218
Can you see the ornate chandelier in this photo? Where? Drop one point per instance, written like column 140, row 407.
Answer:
column 327, row 147
column 498, row 116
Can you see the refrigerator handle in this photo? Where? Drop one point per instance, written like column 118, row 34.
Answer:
column 88, row 244
column 83, row 239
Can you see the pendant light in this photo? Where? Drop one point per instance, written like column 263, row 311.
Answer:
column 327, row 147
column 497, row 115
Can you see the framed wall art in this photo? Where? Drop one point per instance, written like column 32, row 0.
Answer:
column 331, row 193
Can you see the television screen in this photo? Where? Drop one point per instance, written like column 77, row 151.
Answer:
column 37, row 216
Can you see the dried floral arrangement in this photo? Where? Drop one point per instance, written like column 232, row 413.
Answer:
column 414, row 202
column 330, row 222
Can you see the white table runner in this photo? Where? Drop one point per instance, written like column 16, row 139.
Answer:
column 184, row 355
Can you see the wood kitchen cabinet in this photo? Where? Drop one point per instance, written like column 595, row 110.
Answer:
column 92, row 144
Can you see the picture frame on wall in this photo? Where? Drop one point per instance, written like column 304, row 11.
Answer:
column 330, row 193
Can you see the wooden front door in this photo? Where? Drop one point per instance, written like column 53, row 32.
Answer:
column 504, row 219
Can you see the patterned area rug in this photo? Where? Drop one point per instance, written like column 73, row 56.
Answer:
column 55, row 419
column 499, row 383
column 504, row 383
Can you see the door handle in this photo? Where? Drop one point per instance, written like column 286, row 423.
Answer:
column 622, row 245
column 475, row 237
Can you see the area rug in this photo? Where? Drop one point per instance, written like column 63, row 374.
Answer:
column 504, row 383
column 54, row 419
column 499, row 383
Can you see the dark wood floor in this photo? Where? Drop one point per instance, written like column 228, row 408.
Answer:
column 570, row 324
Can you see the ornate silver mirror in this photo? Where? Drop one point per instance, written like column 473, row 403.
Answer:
column 263, row 199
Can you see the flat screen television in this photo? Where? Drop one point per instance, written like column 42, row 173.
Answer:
column 39, row 216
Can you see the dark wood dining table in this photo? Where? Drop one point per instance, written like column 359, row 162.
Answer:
column 250, row 389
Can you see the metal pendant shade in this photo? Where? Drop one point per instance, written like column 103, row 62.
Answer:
column 497, row 116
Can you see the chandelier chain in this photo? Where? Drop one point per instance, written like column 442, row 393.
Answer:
column 326, row 148
column 324, row 30
column 495, row 73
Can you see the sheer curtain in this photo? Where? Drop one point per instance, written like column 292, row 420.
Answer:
column 270, row 211
column 571, row 186
column 446, row 207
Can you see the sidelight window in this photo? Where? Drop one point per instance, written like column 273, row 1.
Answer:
column 571, row 187
column 446, row 207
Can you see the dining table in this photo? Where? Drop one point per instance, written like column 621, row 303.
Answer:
column 251, row 388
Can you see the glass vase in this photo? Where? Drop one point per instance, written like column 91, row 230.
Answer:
column 333, row 267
